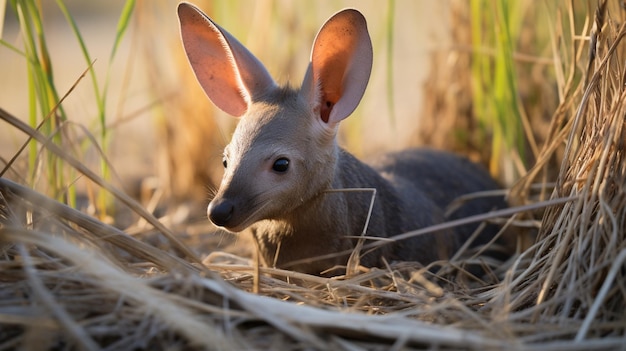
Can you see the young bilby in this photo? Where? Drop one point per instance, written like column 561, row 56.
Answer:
column 283, row 159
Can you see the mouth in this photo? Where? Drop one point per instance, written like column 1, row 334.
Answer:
column 234, row 229
column 235, row 225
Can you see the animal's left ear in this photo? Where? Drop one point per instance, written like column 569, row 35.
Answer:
column 341, row 63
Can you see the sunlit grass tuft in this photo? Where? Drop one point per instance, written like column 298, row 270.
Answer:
column 45, row 109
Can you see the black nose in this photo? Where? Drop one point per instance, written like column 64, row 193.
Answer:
column 221, row 212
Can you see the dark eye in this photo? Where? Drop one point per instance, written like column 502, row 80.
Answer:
column 281, row 165
column 224, row 162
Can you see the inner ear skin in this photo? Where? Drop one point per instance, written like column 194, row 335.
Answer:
column 325, row 109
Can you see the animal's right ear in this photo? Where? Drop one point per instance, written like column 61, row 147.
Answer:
column 229, row 74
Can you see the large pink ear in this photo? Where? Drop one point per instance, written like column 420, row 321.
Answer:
column 341, row 63
column 229, row 74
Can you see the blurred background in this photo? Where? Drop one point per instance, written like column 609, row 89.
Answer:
column 476, row 77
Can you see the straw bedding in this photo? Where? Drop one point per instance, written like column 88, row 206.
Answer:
column 68, row 281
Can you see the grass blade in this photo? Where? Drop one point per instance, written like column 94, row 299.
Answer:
column 122, row 25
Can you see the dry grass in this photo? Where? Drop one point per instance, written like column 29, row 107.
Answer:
column 68, row 281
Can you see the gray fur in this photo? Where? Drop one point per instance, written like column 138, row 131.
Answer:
column 413, row 189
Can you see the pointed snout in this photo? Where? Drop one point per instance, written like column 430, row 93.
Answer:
column 220, row 212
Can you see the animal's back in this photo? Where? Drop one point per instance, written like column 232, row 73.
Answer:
column 422, row 175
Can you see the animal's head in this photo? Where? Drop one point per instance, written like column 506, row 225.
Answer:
column 283, row 151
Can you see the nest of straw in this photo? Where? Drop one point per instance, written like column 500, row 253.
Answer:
column 68, row 281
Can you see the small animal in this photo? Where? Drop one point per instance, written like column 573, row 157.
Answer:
column 284, row 170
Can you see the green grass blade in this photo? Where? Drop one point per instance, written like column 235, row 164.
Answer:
column 100, row 96
column 122, row 25
column 496, row 101
column 32, row 120
column 70, row 20
column 12, row 48
column 33, row 78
